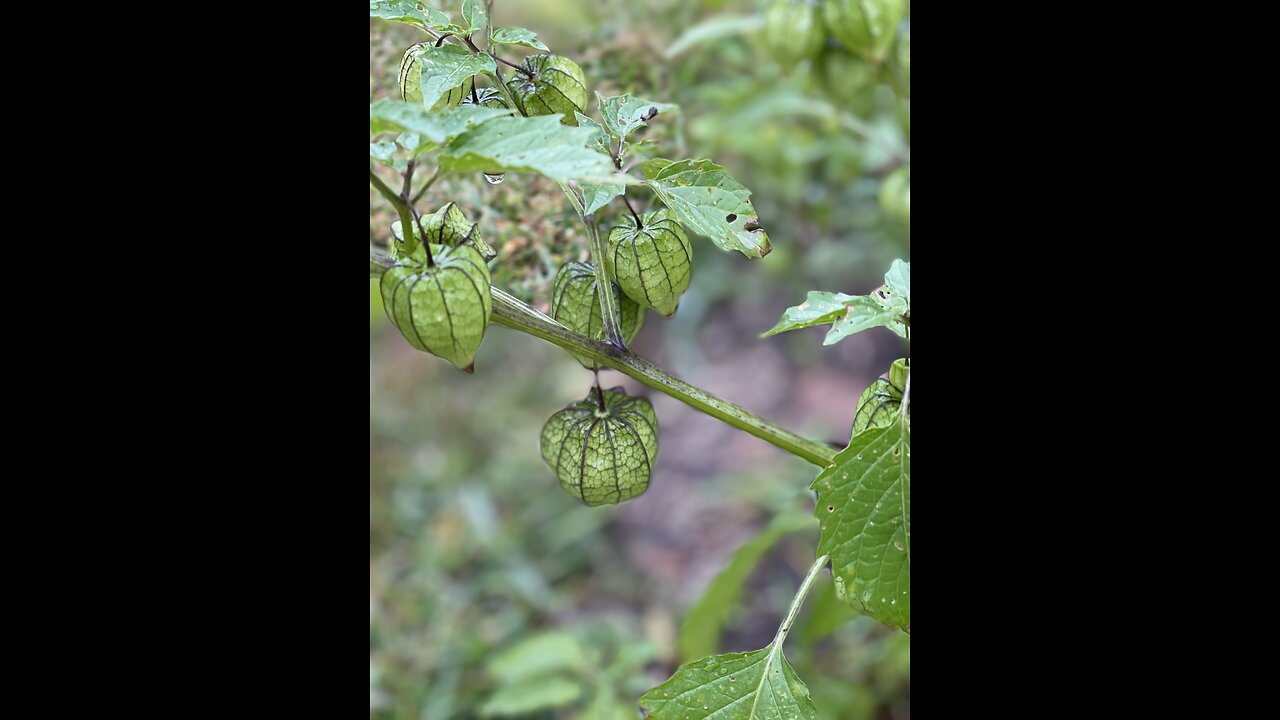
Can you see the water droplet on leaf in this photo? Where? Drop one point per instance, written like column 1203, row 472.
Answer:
column 495, row 178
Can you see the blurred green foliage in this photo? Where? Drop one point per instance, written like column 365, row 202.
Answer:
column 494, row 593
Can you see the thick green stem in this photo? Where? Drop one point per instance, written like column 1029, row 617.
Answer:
column 512, row 313
column 406, row 217
column 402, row 209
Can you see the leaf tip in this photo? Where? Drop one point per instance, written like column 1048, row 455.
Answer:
column 470, row 369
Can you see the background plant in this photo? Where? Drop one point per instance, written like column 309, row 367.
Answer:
column 715, row 277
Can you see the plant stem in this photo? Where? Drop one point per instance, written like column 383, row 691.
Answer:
column 609, row 311
column 797, row 602
column 510, row 312
column 625, row 201
column 508, row 63
column 402, row 209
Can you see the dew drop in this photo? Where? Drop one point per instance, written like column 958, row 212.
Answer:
column 495, row 178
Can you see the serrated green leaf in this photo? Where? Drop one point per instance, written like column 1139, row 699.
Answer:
column 597, row 195
column 864, row 510
column 518, row 36
column 438, row 127
column 531, row 696
column 819, row 308
column 474, row 14
column 624, row 114
column 542, row 654
column 447, row 67
column 406, row 11
column 758, row 685
column 599, row 139
column 700, row 631
column 862, row 313
column 537, row 144
column 715, row 28
column 708, row 201
column 889, row 306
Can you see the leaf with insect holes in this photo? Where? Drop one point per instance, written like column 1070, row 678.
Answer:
column 518, row 36
column 889, row 306
column 708, row 201
column 624, row 114
column 408, row 12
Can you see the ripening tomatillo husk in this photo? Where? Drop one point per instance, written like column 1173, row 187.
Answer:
column 866, row 27
column 442, row 309
column 880, row 403
column 575, row 304
column 446, row 226
column 793, row 31
column 602, row 455
column 486, row 97
column 411, row 81
column 553, row 85
column 652, row 263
